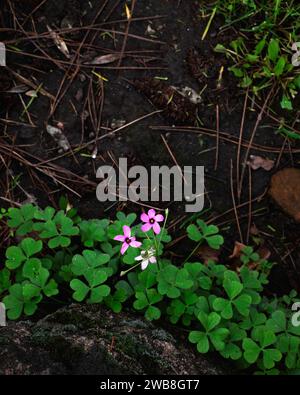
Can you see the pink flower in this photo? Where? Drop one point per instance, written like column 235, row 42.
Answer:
column 151, row 221
column 127, row 240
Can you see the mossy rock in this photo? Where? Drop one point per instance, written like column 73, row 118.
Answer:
column 89, row 339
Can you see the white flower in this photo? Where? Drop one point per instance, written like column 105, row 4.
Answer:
column 146, row 257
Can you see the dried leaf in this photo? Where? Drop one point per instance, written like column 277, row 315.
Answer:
column 18, row 89
column 31, row 93
column 237, row 251
column 257, row 162
column 32, row 85
column 59, row 42
column 264, row 252
column 206, row 254
column 104, row 59
column 253, row 230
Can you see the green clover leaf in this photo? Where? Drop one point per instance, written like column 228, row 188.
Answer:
column 21, row 298
column 58, row 229
column 94, row 277
column 80, row 288
column 209, row 233
column 115, row 300
column 15, row 257
column 88, row 260
column 22, row 219
column 215, row 336
column 145, row 301
column 253, row 349
column 18, row 255
column 93, row 231
column 5, row 281
column 240, row 301
column 99, row 293
column 172, row 280
column 183, row 307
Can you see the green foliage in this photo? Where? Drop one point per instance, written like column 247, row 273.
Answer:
column 146, row 300
column 212, row 333
column 58, row 253
column 22, row 219
column 236, row 300
column 261, row 55
column 202, row 232
column 172, row 280
column 93, row 231
column 57, row 228
column 262, row 344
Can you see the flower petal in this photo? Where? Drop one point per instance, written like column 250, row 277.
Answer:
column 127, row 231
column 144, row 217
column 124, row 248
column 135, row 244
column 151, row 213
column 152, row 259
column 119, row 238
column 138, row 258
column 146, row 227
column 156, row 228
column 145, row 264
column 159, row 218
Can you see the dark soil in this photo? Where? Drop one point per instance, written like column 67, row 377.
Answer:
column 172, row 55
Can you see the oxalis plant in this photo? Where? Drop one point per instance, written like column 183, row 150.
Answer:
column 261, row 55
column 56, row 254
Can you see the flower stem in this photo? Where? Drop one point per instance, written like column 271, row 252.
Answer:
column 161, row 234
column 164, row 225
column 128, row 270
column 194, row 250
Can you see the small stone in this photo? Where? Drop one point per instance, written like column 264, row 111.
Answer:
column 150, row 31
column 285, row 190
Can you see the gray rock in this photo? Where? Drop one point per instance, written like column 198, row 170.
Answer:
column 89, row 339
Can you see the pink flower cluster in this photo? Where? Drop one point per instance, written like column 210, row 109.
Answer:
column 151, row 221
